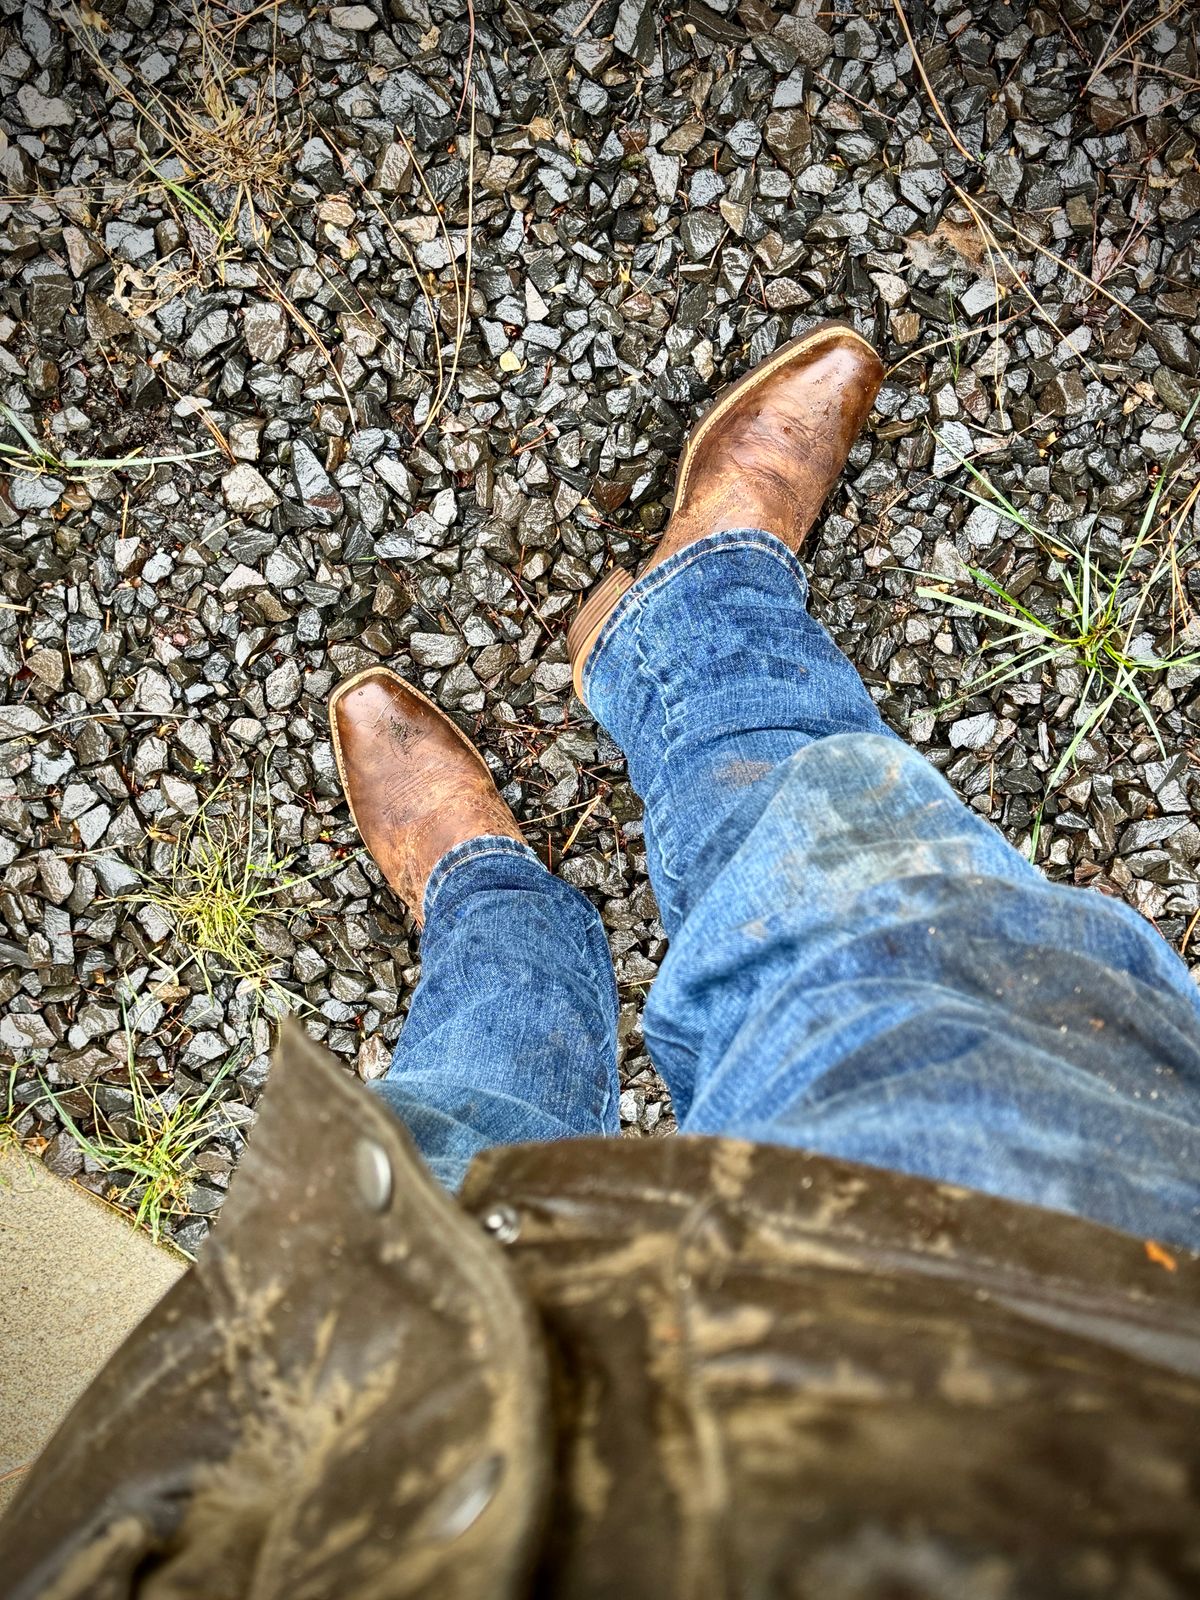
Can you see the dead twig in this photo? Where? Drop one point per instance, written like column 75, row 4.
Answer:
column 1082, row 277
column 575, row 831
column 470, row 58
column 933, row 99
column 1106, row 61
column 583, row 22
column 960, row 337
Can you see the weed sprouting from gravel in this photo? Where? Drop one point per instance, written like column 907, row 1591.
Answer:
column 225, row 876
column 154, row 1144
column 460, row 283
column 232, row 143
column 10, row 1113
column 32, row 456
column 1099, row 621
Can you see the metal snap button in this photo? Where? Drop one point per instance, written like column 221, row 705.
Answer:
column 373, row 1174
column 503, row 1223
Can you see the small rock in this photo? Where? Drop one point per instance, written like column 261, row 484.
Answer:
column 25, row 1031
column 264, row 328
column 1064, row 396
column 536, row 308
column 1173, row 346
column 972, row 733
column 436, row 649
column 664, row 173
column 744, row 139
column 282, row 571
column 980, row 297
column 152, row 691
column 47, row 666
column 83, row 253
column 395, row 165
column 282, row 687
column 634, row 32
column 953, row 440
column 246, row 491
column 373, row 1059
column 243, row 580
column 41, row 111
column 245, row 438
column 314, row 486
column 32, row 492
column 115, row 876
column 20, row 719
column 354, row 19
column 811, row 43
column 788, row 132
column 210, row 332
column 126, row 553
column 982, row 526
column 127, row 242
column 203, row 1047
column 701, row 234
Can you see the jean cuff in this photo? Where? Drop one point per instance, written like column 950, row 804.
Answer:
column 713, row 544
column 487, row 844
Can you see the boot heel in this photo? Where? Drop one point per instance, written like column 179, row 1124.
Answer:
column 591, row 617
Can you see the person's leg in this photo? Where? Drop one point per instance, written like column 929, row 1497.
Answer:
column 512, row 1031
column 859, row 964
column 511, row 1034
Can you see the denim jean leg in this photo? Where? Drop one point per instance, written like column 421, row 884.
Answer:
column 709, row 673
column 511, row 1034
column 860, row 964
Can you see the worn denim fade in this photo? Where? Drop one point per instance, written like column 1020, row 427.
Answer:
column 859, row 964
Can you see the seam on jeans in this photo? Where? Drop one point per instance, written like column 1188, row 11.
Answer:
column 471, row 850
column 633, row 602
column 602, row 961
column 643, row 588
column 647, row 672
column 662, row 1049
column 594, row 956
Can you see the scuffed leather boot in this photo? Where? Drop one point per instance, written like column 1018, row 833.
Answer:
column 415, row 785
column 764, row 455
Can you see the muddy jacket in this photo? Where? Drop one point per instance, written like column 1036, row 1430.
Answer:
column 670, row 1368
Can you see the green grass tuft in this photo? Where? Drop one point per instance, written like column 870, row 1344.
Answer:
column 154, row 1147
column 10, row 1114
column 1098, row 618
column 32, row 456
column 225, row 876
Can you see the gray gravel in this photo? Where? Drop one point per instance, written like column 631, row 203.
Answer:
column 659, row 196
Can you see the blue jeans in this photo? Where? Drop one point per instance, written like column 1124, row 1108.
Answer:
column 859, row 965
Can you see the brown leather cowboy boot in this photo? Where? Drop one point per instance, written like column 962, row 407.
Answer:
column 415, row 785
column 764, row 455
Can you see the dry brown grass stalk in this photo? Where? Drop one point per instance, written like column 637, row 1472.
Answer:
column 977, row 206
column 235, row 144
column 1107, row 61
column 933, row 99
column 461, row 283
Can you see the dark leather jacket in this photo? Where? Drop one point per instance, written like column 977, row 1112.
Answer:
column 675, row 1368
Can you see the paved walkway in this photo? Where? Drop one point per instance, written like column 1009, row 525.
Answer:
column 75, row 1278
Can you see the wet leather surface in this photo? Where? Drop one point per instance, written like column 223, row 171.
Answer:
column 649, row 1368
